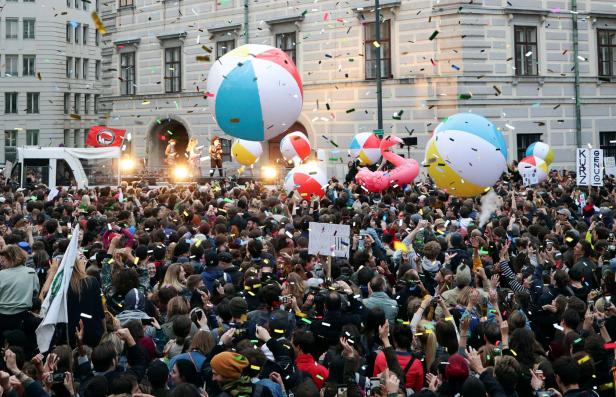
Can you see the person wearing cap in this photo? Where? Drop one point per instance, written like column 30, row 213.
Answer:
column 439, row 227
column 18, row 286
column 232, row 272
column 213, row 273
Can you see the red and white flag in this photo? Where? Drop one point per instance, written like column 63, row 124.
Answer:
column 101, row 136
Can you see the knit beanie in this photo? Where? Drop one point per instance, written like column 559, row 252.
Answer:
column 229, row 365
column 463, row 276
column 457, row 369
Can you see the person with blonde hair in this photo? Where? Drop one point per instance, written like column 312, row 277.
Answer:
column 175, row 277
column 194, row 152
column 18, row 286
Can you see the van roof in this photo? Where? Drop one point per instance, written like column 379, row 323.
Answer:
column 37, row 152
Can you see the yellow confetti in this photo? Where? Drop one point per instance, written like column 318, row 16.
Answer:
column 583, row 359
column 376, row 44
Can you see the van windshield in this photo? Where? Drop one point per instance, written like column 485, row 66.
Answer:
column 100, row 172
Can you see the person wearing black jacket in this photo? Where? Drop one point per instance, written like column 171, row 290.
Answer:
column 334, row 318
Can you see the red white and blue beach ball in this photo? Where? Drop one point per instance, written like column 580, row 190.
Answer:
column 255, row 92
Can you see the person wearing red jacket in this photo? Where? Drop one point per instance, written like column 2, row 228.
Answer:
column 412, row 367
column 303, row 342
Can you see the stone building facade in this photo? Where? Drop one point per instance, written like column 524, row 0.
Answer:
column 511, row 61
column 50, row 73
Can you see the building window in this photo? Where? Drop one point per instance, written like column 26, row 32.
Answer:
column 286, row 42
column 77, row 33
column 29, row 65
column 526, row 53
column 607, row 142
column 86, row 104
column 11, row 28
column 11, row 62
column 524, row 141
column 97, row 37
column 10, row 145
column 77, row 103
column 77, row 67
column 85, row 4
column 67, row 103
column 85, row 32
column 97, row 70
column 96, row 103
column 28, row 28
column 126, row 3
column 28, row 1
column 68, row 3
column 222, row 47
column 127, row 70
column 67, row 138
column 69, row 67
column 69, row 32
column 173, row 69
column 606, row 41
column 32, row 102
column 86, row 64
column 371, row 47
column 32, row 137
column 10, row 102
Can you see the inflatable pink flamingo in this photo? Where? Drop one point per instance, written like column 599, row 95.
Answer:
column 405, row 171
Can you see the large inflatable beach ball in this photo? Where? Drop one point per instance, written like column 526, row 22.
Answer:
column 541, row 150
column 295, row 144
column 533, row 165
column 466, row 155
column 365, row 146
column 255, row 92
column 246, row 152
column 307, row 179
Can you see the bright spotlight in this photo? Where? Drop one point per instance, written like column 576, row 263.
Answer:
column 269, row 172
column 180, row 172
column 127, row 164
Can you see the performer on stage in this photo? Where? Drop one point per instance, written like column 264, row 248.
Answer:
column 194, row 156
column 216, row 156
column 170, row 153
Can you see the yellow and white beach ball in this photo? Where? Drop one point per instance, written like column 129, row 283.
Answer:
column 246, row 152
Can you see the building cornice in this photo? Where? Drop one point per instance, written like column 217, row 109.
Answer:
column 131, row 41
column 171, row 36
column 224, row 29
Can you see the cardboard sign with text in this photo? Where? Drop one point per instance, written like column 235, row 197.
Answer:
column 329, row 239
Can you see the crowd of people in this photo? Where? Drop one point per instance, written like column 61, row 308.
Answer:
column 212, row 291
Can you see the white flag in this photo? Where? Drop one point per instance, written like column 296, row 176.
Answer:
column 54, row 309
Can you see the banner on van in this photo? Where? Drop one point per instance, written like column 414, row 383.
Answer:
column 101, row 136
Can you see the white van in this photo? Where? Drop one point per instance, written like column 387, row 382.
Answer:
column 61, row 166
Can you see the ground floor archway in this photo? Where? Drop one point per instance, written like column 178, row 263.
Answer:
column 159, row 137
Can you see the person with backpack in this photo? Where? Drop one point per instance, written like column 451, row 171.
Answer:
column 412, row 367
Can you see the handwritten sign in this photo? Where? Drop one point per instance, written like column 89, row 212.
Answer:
column 582, row 167
column 596, row 169
column 329, row 239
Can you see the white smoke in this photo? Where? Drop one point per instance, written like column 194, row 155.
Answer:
column 489, row 204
